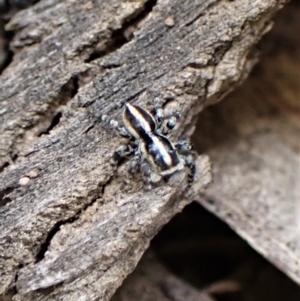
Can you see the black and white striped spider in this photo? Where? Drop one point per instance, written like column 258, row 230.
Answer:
column 149, row 145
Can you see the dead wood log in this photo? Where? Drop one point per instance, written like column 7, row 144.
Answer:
column 71, row 228
column 253, row 141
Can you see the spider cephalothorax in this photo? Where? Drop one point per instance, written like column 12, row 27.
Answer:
column 150, row 146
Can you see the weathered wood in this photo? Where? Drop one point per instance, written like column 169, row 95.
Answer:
column 151, row 281
column 71, row 228
column 253, row 140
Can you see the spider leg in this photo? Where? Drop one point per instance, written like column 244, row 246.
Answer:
column 189, row 162
column 149, row 176
column 135, row 162
column 120, row 129
column 114, row 125
column 184, row 146
column 170, row 124
column 158, row 112
column 146, row 171
column 188, row 154
column 122, row 152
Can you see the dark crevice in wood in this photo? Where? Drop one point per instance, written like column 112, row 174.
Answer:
column 196, row 65
column 117, row 40
column 7, row 36
column 48, row 290
column 5, row 201
column 111, row 66
column 45, row 245
column 197, row 17
column 7, row 61
column 13, row 158
column 3, row 166
column 54, row 123
column 67, row 92
column 20, row 4
column 89, row 128
column 3, row 195
column 75, row 88
column 124, row 34
column 220, row 52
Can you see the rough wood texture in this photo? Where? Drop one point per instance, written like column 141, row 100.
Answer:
column 253, row 140
column 151, row 281
column 70, row 227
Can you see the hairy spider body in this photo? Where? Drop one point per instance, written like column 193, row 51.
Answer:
column 161, row 154
column 151, row 149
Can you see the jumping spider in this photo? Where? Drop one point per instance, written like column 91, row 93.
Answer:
column 149, row 145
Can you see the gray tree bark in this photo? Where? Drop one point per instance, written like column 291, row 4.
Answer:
column 71, row 227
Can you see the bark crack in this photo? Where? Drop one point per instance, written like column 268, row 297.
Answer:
column 48, row 119
column 4, row 199
column 56, row 228
column 124, row 34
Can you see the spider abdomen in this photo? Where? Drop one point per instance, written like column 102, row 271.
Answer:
column 160, row 153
